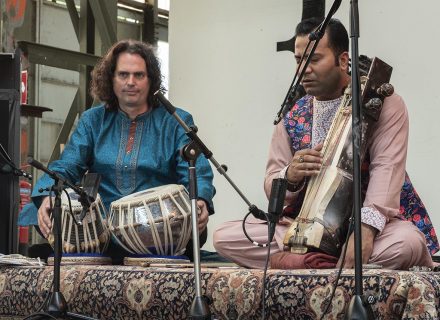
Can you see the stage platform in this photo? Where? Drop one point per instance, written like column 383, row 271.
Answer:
column 123, row 292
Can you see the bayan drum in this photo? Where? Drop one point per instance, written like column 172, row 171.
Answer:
column 155, row 221
column 92, row 236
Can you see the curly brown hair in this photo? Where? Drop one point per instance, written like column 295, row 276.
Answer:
column 103, row 73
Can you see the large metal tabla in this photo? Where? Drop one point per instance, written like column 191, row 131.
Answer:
column 155, row 221
column 92, row 236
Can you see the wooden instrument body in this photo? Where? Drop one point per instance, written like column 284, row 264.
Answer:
column 322, row 223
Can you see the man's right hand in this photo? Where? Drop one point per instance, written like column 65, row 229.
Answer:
column 44, row 221
column 305, row 163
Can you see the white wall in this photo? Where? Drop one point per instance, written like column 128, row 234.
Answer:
column 225, row 70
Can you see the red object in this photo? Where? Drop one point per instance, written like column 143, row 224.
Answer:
column 24, row 77
column 25, row 193
column 23, row 235
column 311, row 260
column 25, row 198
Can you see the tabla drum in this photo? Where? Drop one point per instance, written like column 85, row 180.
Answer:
column 155, row 221
column 92, row 236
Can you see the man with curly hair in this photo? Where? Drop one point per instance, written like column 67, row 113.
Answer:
column 130, row 138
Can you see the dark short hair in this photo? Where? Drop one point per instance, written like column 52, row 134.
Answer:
column 103, row 73
column 337, row 34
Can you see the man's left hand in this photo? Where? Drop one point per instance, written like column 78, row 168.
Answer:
column 368, row 234
column 203, row 215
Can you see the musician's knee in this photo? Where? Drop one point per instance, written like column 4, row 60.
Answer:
column 225, row 238
column 218, row 239
column 401, row 246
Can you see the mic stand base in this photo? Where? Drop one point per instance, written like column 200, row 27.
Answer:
column 200, row 308
column 359, row 309
column 58, row 308
column 58, row 305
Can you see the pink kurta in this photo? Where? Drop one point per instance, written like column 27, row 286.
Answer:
column 398, row 245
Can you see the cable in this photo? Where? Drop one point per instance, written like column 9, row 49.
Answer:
column 38, row 313
column 336, row 282
column 246, row 234
column 263, row 289
column 266, row 265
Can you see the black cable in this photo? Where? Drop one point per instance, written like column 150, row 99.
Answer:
column 246, row 234
column 70, row 208
column 263, row 289
column 336, row 282
column 266, row 265
column 38, row 313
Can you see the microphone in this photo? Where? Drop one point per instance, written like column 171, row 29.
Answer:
column 276, row 204
column 8, row 169
column 319, row 33
column 170, row 108
column 89, row 192
column 276, row 199
column 38, row 165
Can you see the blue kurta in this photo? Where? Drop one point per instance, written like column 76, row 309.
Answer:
column 99, row 144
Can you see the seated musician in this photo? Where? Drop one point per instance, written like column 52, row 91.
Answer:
column 388, row 239
column 130, row 139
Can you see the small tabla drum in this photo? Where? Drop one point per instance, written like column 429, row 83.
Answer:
column 155, row 221
column 92, row 236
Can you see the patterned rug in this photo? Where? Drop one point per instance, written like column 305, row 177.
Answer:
column 130, row 292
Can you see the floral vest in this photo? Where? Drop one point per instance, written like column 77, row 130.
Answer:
column 298, row 123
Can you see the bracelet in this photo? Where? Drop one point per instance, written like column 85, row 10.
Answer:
column 295, row 186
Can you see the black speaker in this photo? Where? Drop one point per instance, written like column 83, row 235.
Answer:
column 10, row 81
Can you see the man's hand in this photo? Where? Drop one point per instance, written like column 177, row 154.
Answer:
column 44, row 222
column 368, row 234
column 203, row 215
column 305, row 163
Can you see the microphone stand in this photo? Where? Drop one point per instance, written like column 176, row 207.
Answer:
column 58, row 305
column 191, row 133
column 358, row 307
column 199, row 308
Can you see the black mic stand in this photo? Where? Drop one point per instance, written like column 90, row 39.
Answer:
column 358, row 307
column 57, row 306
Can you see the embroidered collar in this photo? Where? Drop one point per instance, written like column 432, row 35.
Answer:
column 323, row 114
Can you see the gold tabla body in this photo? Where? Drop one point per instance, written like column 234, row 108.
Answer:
column 155, row 221
column 92, row 236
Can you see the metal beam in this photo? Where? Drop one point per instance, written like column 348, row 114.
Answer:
column 56, row 57
column 104, row 23
column 73, row 16
column 149, row 26
column 66, row 128
column 86, row 44
column 161, row 21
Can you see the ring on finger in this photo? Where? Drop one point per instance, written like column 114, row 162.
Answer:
column 301, row 159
